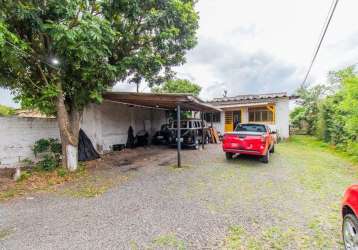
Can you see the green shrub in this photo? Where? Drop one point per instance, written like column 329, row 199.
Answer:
column 48, row 163
column 62, row 172
column 52, row 149
column 6, row 111
column 24, row 175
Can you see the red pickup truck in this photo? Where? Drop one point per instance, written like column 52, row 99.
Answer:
column 249, row 139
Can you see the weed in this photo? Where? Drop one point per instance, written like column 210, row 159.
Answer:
column 169, row 240
column 4, row 233
column 235, row 238
column 24, row 176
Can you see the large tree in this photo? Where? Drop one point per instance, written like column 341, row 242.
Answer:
column 57, row 56
column 178, row 86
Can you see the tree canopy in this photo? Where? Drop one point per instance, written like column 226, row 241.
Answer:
column 57, row 56
column 96, row 43
column 331, row 110
column 178, row 86
column 6, row 111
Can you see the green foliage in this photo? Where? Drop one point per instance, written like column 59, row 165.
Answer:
column 48, row 163
column 52, row 149
column 97, row 44
column 47, row 145
column 309, row 99
column 24, row 176
column 6, row 111
column 334, row 118
column 297, row 116
column 178, row 86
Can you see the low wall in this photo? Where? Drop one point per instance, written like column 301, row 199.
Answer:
column 104, row 124
column 18, row 135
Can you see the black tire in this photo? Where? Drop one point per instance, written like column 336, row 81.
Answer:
column 350, row 221
column 229, row 155
column 197, row 144
column 266, row 158
column 272, row 149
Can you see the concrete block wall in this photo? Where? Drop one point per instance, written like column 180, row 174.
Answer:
column 18, row 135
column 107, row 124
column 104, row 124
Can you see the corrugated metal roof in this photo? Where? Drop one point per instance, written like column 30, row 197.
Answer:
column 160, row 101
column 249, row 98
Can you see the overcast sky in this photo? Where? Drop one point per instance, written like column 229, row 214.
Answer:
column 264, row 46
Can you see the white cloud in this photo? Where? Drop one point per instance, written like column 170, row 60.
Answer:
column 264, row 46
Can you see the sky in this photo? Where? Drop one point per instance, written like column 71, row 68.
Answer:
column 250, row 47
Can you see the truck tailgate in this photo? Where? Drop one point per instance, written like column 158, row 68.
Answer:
column 244, row 140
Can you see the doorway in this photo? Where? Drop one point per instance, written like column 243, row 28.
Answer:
column 236, row 118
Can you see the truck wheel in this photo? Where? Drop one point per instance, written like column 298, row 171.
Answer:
column 229, row 155
column 197, row 144
column 272, row 149
column 266, row 158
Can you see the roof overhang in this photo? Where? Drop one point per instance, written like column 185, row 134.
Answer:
column 160, row 101
column 233, row 106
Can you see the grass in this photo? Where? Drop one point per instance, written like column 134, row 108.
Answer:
column 93, row 185
column 313, row 142
column 4, row 233
column 35, row 181
column 301, row 195
column 169, row 241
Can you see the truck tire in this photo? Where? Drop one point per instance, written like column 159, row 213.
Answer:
column 229, row 155
column 266, row 158
column 197, row 144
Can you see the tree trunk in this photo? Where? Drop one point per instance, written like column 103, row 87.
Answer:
column 69, row 125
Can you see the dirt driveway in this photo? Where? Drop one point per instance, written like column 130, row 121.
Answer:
column 211, row 203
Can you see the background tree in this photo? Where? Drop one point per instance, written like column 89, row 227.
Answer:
column 332, row 110
column 57, row 56
column 309, row 99
column 6, row 111
column 178, row 86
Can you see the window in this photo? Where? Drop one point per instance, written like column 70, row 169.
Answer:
column 251, row 128
column 262, row 114
column 216, row 117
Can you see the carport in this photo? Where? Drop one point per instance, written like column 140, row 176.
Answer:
column 174, row 102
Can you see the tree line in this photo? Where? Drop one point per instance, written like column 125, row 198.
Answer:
column 330, row 111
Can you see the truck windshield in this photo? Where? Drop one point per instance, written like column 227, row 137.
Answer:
column 251, row 128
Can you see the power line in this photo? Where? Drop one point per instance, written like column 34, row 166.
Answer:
column 326, row 25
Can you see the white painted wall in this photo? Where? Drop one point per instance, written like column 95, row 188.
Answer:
column 104, row 124
column 282, row 118
column 107, row 124
column 18, row 135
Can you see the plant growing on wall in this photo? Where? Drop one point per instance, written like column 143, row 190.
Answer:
column 57, row 56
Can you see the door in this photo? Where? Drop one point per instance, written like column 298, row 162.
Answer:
column 236, row 118
column 229, row 121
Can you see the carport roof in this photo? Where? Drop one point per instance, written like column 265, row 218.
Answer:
column 160, row 101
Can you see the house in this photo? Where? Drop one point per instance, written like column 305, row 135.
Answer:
column 271, row 109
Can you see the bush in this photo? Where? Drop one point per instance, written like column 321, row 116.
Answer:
column 48, row 163
column 52, row 149
column 6, row 111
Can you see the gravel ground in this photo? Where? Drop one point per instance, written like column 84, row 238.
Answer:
column 197, row 207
